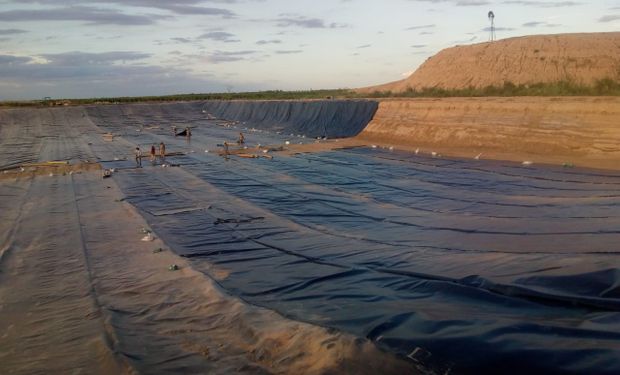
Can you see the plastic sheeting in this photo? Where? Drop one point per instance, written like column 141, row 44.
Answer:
column 29, row 136
column 459, row 265
column 472, row 266
column 330, row 118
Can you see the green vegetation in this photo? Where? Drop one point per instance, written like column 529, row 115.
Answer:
column 258, row 95
column 604, row 87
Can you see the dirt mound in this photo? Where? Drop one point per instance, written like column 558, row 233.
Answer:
column 582, row 59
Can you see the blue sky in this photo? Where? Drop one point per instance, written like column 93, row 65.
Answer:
column 70, row 48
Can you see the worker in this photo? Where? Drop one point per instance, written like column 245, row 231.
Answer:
column 138, row 154
column 174, row 130
column 152, row 155
column 241, row 139
column 162, row 152
column 188, row 132
column 226, row 150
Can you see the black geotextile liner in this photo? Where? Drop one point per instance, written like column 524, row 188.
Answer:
column 322, row 118
column 35, row 135
column 477, row 267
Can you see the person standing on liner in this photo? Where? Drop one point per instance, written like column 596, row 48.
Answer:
column 162, row 152
column 226, row 153
column 152, row 158
column 241, row 139
column 138, row 154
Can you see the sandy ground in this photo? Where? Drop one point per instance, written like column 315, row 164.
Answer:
column 577, row 131
column 580, row 58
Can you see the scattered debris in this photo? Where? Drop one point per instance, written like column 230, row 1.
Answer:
column 158, row 250
column 527, row 162
column 248, row 156
column 173, row 267
column 477, row 157
column 568, row 165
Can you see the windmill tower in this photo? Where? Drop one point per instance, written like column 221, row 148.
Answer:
column 492, row 19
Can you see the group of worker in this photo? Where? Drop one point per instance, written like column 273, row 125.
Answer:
column 161, row 151
column 240, row 142
column 155, row 151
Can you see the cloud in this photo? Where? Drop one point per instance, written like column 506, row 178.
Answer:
column 460, row 3
column 541, row 4
column 609, row 18
column 364, row 46
column 220, row 36
column 90, row 15
column 541, row 24
column 70, row 66
column 80, row 74
column 292, row 20
column 181, row 40
column 77, row 58
column 272, row 41
column 421, row 27
column 184, row 7
column 72, row 10
column 544, row 4
column 6, row 60
column 219, row 57
column 12, row 31
column 488, row 29
column 418, row 46
column 288, row 52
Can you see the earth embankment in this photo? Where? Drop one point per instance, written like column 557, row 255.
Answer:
column 575, row 130
column 581, row 59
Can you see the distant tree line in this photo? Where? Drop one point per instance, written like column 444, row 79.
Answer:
column 603, row 87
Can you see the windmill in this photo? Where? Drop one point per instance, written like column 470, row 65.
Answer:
column 492, row 19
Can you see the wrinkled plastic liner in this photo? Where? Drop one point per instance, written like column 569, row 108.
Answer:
column 320, row 118
column 461, row 265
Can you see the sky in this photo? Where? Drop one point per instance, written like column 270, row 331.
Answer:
column 84, row 49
